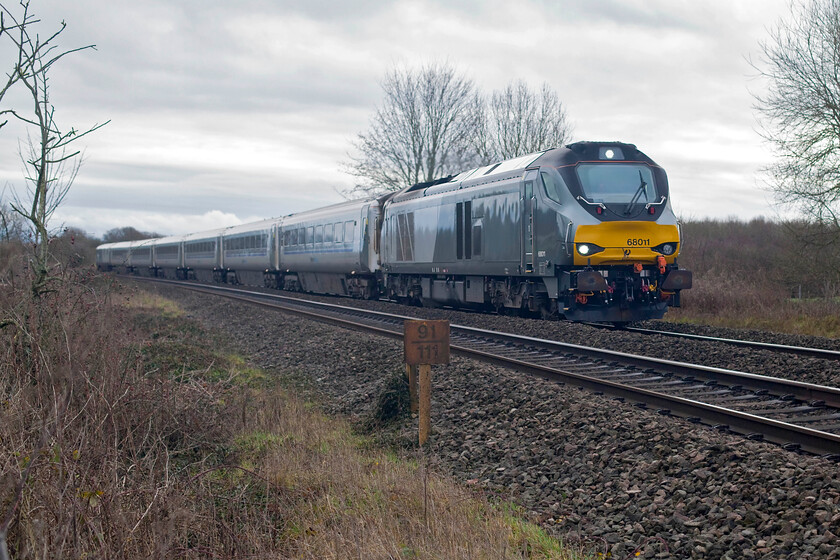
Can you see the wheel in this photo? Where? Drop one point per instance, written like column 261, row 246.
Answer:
column 548, row 310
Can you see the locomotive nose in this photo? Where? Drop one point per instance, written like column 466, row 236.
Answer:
column 616, row 243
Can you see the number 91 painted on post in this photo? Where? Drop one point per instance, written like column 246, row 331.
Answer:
column 426, row 342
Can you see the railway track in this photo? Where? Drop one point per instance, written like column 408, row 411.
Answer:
column 796, row 415
column 788, row 349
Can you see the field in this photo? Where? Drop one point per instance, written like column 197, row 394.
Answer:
column 129, row 431
column 782, row 277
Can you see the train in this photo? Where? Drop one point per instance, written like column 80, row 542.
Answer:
column 584, row 232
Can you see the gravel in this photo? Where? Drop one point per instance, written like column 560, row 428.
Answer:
column 714, row 354
column 585, row 465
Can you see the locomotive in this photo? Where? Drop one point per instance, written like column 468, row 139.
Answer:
column 585, row 232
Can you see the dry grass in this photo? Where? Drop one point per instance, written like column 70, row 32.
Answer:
column 127, row 431
column 346, row 500
column 745, row 274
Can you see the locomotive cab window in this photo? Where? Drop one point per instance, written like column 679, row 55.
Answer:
column 617, row 183
column 552, row 185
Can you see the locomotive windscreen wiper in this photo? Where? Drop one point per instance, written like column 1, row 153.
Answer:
column 639, row 192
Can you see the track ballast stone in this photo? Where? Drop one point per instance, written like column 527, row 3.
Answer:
column 585, row 465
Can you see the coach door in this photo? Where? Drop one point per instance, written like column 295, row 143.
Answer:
column 529, row 203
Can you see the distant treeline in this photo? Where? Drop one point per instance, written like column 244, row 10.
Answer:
column 788, row 257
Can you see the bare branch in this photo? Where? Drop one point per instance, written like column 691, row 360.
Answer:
column 520, row 121
column 422, row 130
column 801, row 110
column 50, row 163
column 434, row 122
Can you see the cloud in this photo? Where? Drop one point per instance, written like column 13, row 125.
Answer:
column 155, row 222
column 248, row 108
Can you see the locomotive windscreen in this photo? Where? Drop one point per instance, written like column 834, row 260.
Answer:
column 617, row 183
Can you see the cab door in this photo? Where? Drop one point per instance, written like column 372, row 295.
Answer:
column 529, row 212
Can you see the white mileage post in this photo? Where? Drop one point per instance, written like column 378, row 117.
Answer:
column 426, row 343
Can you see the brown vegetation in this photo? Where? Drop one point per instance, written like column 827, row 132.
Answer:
column 751, row 274
column 127, row 431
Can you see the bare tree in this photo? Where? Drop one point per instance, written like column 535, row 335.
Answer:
column 423, row 130
column 13, row 75
column 434, row 122
column 11, row 226
column 801, row 110
column 520, row 121
column 51, row 162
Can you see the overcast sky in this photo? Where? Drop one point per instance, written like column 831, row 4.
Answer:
column 223, row 112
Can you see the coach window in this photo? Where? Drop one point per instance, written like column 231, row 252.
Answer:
column 301, row 236
column 339, row 233
column 310, row 235
column 328, row 233
column 319, row 235
column 349, row 231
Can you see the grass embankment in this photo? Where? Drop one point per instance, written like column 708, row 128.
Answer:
column 132, row 432
column 746, row 275
column 816, row 317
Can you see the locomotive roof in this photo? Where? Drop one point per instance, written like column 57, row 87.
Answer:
column 571, row 154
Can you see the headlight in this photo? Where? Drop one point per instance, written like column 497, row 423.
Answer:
column 666, row 248
column 588, row 249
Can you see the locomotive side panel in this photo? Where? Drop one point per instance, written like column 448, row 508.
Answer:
column 468, row 231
